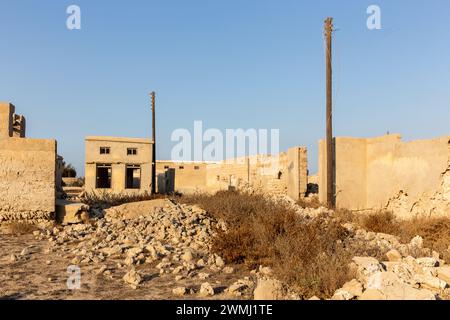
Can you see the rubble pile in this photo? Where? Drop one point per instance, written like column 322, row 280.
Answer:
column 398, row 278
column 175, row 238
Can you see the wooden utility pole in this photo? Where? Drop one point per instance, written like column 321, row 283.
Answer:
column 329, row 114
column 153, row 96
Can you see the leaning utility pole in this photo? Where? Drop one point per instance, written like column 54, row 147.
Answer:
column 329, row 114
column 153, row 95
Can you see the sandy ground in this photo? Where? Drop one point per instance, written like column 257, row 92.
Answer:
column 42, row 274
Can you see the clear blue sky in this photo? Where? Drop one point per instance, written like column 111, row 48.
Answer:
column 231, row 64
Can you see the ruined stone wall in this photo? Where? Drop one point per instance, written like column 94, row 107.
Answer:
column 409, row 178
column 262, row 172
column 285, row 173
column 297, row 172
column 6, row 120
column 27, row 179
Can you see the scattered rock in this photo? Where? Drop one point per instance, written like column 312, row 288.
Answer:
column 443, row 273
column 228, row 270
column 219, row 262
column 71, row 213
column 238, row 288
column 187, row 256
column 366, row 266
column 428, row 262
column 180, row 291
column 416, row 242
column 133, row 278
column 372, row 294
column 393, row 255
column 430, row 282
column 206, row 290
column 265, row 271
column 354, row 287
column 203, row 275
column 268, row 289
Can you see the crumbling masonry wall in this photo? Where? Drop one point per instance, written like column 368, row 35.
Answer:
column 27, row 171
column 284, row 174
column 409, row 178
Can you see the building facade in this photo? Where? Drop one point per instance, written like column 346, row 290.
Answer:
column 119, row 165
column 409, row 178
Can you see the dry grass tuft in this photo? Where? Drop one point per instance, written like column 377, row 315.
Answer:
column 313, row 203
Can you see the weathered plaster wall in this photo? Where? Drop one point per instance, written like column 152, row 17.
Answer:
column 297, row 172
column 118, row 159
column 6, row 119
column 27, row 179
column 350, row 176
column 384, row 172
column 189, row 176
column 416, row 174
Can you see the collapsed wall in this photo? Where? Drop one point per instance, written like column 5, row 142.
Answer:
column 409, row 178
column 27, row 171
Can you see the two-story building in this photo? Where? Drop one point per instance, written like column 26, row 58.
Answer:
column 118, row 165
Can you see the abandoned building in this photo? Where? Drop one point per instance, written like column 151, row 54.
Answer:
column 118, row 164
column 27, row 171
column 285, row 173
column 124, row 165
column 409, row 178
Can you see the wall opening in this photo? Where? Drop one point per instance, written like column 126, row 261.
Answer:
column 131, row 151
column 103, row 177
column 105, row 150
column 133, row 177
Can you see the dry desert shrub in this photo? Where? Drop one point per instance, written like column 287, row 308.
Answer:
column 308, row 255
column 380, row 222
column 313, row 203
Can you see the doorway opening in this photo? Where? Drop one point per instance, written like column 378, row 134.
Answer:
column 103, row 178
column 133, row 177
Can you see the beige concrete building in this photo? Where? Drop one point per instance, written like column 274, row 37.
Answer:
column 184, row 177
column 409, row 178
column 118, row 164
column 27, row 171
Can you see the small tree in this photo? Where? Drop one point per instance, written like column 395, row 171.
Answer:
column 69, row 171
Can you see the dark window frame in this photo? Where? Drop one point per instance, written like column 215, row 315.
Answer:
column 105, row 150
column 132, row 151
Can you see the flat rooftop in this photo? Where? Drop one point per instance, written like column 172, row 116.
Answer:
column 118, row 139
